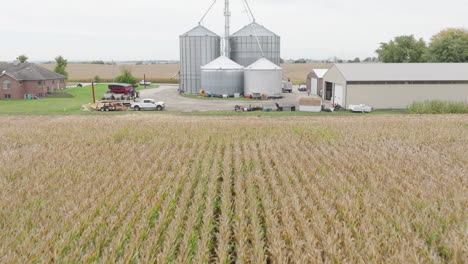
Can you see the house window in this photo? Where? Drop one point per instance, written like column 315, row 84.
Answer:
column 39, row 83
column 6, row 85
column 7, row 96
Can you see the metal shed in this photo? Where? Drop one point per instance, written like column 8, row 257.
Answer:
column 245, row 48
column 263, row 77
column 315, row 81
column 222, row 77
column 395, row 85
column 198, row 47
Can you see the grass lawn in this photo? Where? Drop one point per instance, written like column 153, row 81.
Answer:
column 81, row 96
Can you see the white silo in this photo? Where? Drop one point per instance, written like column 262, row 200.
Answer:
column 263, row 77
column 198, row 47
column 222, row 76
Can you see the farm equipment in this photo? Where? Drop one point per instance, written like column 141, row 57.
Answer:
column 287, row 87
column 120, row 92
column 113, row 106
column 239, row 108
column 360, row 108
column 285, row 108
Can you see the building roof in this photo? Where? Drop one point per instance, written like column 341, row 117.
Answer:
column 263, row 64
column 222, row 63
column 200, row 31
column 320, row 72
column 404, row 71
column 254, row 29
column 28, row 72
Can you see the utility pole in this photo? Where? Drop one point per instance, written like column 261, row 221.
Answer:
column 227, row 15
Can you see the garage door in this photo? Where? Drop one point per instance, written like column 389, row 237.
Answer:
column 338, row 97
column 314, row 86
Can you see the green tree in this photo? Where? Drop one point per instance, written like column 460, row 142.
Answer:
column 300, row 61
column 449, row 45
column 61, row 66
column 97, row 79
column 403, row 49
column 22, row 58
column 126, row 77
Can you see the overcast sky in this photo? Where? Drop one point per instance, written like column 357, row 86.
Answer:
column 149, row 29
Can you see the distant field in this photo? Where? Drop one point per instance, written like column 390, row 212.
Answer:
column 163, row 72
column 177, row 189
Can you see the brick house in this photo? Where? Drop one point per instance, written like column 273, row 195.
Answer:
column 28, row 80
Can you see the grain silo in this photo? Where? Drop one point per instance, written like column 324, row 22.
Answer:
column 263, row 77
column 222, row 77
column 198, row 47
column 253, row 42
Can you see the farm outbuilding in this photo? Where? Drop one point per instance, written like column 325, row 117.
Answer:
column 315, row 81
column 222, row 77
column 263, row 77
column 198, row 47
column 253, row 42
column 395, row 85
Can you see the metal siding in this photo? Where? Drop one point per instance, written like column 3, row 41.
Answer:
column 195, row 52
column 245, row 50
column 334, row 76
column 267, row 82
column 223, row 81
column 401, row 96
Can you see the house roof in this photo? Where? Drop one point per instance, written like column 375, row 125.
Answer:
column 263, row 64
column 254, row 29
column 222, row 63
column 28, row 72
column 320, row 72
column 404, row 71
column 200, row 31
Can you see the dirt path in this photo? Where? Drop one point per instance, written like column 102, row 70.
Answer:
column 175, row 102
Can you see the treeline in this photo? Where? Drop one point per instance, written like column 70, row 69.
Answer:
column 449, row 45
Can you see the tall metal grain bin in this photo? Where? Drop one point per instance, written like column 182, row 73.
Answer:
column 245, row 49
column 263, row 77
column 223, row 76
column 198, row 47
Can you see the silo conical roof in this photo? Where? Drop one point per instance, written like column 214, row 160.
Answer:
column 263, row 64
column 200, row 31
column 254, row 29
column 222, row 63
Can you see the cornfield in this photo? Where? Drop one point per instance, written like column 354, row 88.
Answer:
column 163, row 72
column 177, row 189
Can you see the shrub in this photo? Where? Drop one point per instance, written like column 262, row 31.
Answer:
column 126, row 77
column 439, row 107
column 97, row 79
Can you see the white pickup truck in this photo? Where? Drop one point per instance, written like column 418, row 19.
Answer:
column 148, row 104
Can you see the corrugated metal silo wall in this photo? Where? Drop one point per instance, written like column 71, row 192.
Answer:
column 263, row 82
column 245, row 50
column 196, row 51
column 223, row 81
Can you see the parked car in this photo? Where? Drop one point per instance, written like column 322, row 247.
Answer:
column 143, row 82
column 148, row 104
column 302, row 88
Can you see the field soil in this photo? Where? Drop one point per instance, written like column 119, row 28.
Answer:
column 176, row 189
column 163, row 72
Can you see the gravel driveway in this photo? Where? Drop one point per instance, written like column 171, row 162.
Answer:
column 175, row 102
